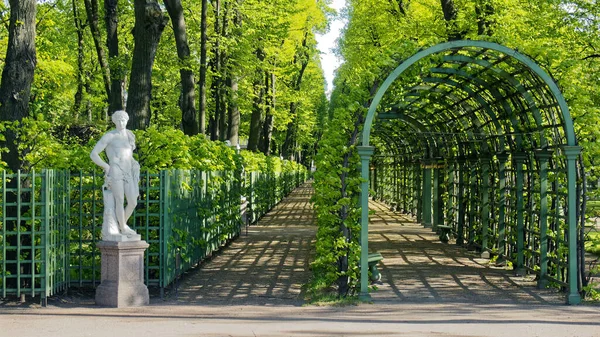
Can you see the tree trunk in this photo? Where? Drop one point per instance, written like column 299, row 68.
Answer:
column 484, row 11
column 224, row 75
column 17, row 75
column 290, row 134
column 233, row 113
column 15, row 92
column 216, row 70
column 256, row 119
column 290, row 138
column 267, row 133
column 398, row 7
column 80, row 55
column 117, row 70
column 91, row 8
column 450, row 15
column 203, row 47
column 187, row 100
column 149, row 25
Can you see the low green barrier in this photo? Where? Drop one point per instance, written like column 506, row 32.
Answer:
column 51, row 221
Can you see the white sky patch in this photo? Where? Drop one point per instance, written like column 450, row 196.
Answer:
column 325, row 43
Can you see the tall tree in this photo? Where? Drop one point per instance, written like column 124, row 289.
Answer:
column 91, row 8
column 17, row 75
column 79, row 27
column 203, row 47
column 117, row 73
column 267, row 131
column 233, row 110
column 15, row 91
column 301, row 58
column 149, row 25
column 187, row 98
column 216, row 87
column 451, row 16
column 257, row 117
column 484, row 11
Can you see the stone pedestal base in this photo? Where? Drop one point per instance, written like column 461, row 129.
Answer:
column 122, row 282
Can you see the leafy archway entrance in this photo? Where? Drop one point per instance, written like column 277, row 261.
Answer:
column 475, row 138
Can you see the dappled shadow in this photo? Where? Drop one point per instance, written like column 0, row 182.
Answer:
column 417, row 267
column 269, row 265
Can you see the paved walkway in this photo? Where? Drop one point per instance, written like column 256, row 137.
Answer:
column 254, row 288
column 417, row 267
column 268, row 264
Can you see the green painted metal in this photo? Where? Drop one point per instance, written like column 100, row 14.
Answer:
column 365, row 153
column 502, row 158
column 437, row 217
column 572, row 152
column 51, row 221
column 461, row 201
column 519, row 159
column 426, row 195
column 526, row 61
column 543, row 158
column 485, row 205
column 495, row 106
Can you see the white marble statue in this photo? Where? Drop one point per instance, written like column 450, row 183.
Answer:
column 121, row 179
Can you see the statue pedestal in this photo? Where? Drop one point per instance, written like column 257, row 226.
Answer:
column 122, row 284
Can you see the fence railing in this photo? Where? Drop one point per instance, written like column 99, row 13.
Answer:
column 50, row 222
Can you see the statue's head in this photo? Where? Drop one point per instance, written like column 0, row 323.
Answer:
column 119, row 115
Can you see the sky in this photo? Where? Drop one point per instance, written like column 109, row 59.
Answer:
column 329, row 62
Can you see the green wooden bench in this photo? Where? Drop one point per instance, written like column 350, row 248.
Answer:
column 374, row 258
column 444, row 232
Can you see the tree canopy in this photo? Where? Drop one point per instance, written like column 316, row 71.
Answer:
column 242, row 63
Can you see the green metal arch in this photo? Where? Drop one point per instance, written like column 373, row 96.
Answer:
column 568, row 124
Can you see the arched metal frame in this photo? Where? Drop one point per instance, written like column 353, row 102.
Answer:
column 492, row 130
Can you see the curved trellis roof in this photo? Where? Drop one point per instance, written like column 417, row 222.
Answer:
column 495, row 113
column 474, row 97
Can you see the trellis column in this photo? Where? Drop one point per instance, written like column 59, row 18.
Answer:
column 472, row 201
column 460, row 230
column 572, row 152
column 436, row 197
column 450, row 206
column 438, row 189
column 502, row 159
column 418, row 186
column 543, row 157
column 519, row 162
column 426, row 195
column 365, row 153
column 485, row 206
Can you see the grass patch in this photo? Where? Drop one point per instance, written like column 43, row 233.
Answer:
column 318, row 293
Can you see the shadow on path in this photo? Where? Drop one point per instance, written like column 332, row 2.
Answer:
column 417, row 267
column 268, row 265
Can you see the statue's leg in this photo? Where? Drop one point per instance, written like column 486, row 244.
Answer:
column 131, row 193
column 118, row 192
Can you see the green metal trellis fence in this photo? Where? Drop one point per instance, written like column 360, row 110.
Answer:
column 50, row 222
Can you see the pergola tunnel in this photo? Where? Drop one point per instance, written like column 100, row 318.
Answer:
column 474, row 138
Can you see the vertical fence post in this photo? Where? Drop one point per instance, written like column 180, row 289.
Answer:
column 572, row 152
column 502, row 158
column 3, row 234
column 543, row 158
column 519, row 162
column 485, row 206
